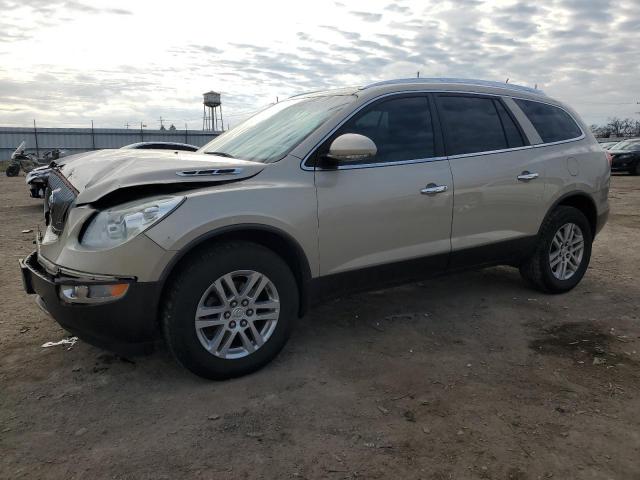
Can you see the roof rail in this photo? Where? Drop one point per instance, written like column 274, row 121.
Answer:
column 349, row 90
column 464, row 81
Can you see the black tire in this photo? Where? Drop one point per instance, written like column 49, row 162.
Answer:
column 195, row 275
column 12, row 170
column 636, row 169
column 537, row 269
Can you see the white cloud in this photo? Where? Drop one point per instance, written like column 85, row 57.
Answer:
column 68, row 62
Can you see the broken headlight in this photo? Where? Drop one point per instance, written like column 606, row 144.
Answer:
column 117, row 225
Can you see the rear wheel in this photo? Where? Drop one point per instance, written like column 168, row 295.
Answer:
column 230, row 310
column 563, row 252
column 636, row 169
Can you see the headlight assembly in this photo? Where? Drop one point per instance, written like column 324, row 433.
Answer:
column 117, row 225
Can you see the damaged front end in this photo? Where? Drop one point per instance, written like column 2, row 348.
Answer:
column 121, row 174
column 120, row 193
column 93, row 251
column 124, row 323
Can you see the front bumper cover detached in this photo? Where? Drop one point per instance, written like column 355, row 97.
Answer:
column 126, row 325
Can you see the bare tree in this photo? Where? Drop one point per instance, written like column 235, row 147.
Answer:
column 615, row 126
column 600, row 131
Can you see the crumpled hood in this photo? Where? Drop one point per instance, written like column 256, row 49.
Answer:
column 99, row 173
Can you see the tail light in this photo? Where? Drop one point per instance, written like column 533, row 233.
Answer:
column 609, row 158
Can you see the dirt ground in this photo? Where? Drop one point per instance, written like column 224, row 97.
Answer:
column 468, row 376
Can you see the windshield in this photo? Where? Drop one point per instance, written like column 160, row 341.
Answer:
column 627, row 145
column 20, row 149
column 272, row 133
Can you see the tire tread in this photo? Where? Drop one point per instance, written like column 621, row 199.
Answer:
column 190, row 267
column 533, row 268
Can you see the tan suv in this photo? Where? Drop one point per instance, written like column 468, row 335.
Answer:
column 222, row 249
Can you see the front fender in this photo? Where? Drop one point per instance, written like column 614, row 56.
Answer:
column 290, row 209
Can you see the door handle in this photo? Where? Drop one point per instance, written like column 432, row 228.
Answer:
column 433, row 188
column 526, row 176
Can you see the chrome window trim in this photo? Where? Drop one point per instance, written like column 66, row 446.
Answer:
column 307, row 168
column 525, row 147
column 385, row 164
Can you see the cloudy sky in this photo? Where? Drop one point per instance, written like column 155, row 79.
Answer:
column 66, row 63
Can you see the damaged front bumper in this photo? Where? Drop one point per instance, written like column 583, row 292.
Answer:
column 115, row 313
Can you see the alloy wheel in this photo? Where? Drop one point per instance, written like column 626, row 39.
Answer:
column 566, row 252
column 237, row 314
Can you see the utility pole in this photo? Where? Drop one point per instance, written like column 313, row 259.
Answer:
column 418, row 74
column 35, row 134
column 93, row 136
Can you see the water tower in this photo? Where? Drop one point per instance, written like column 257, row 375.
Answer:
column 212, row 112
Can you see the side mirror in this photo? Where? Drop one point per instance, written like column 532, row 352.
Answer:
column 352, row 146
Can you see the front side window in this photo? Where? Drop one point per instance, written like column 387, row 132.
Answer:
column 401, row 128
column 472, row 125
column 272, row 133
column 552, row 123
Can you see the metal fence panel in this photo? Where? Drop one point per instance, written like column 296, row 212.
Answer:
column 76, row 140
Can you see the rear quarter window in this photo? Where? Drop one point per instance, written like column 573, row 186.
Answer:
column 552, row 123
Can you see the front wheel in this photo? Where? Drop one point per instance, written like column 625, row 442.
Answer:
column 563, row 252
column 12, row 170
column 636, row 169
column 230, row 310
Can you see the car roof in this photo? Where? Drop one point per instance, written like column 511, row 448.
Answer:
column 445, row 83
column 471, row 82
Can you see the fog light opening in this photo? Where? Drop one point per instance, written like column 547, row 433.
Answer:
column 92, row 293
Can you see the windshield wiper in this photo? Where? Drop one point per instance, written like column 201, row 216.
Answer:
column 222, row 154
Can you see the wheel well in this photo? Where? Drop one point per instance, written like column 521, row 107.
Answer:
column 586, row 206
column 278, row 242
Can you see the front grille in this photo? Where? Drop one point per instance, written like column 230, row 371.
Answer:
column 57, row 200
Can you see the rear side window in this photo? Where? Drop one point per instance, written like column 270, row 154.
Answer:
column 473, row 124
column 514, row 137
column 552, row 123
column 401, row 128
